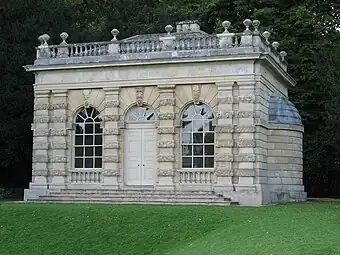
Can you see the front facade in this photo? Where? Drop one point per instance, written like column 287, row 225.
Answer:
column 184, row 111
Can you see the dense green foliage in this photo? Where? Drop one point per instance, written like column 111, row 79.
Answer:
column 305, row 29
column 311, row 228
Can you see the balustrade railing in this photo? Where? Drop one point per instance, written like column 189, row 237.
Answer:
column 140, row 46
column 196, row 177
column 85, row 177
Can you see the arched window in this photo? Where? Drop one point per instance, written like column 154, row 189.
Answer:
column 140, row 114
column 88, row 139
column 197, row 136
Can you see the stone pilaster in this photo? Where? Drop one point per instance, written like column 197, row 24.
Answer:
column 166, row 137
column 112, row 156
column 40, row 127
column 244, row 152
column 224, row 136
column 58, row 140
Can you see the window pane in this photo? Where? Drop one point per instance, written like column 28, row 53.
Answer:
column 89, row 111
column 209, row 162
column 88, row 151
column 197, row 125
column 98, row 140
column 198, row 137
column 79, row 119
column 79, row 128
column 186, row 138
column 186, row 150
column 209, row 138
column 89, row 128
column 88, row 140
column 198, row 162
column 98, row 151
column 209, row 150
column 79, row 140
column 82, row 114
column 186, row 162
column 88, row 162
column 198, row 150
column 98, row 129
column 78, row 163
column 186, row 126
column 208, row 125
column 79, row 151
column 98, row 163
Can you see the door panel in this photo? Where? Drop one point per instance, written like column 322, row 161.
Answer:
column 148, row 156
column 132, row 156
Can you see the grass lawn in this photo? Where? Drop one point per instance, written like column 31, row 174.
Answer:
column 310, row 228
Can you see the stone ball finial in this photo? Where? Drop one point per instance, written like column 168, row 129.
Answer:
column 256, row 25
column 226, row 24
column 276, row 45
column 247, row 23
column 168, row 29
column 64, row 37
column 114, row 33
column 45, row 38
column 41, row 40
column 283, row 54
column 266, row 35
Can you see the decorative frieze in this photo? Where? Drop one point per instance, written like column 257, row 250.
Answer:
column 57, row 173
column 245, row 158
column 40, row 132
column 39, row 172
column 112, row 145
column 166, row 116
column 111, row 131
column 224, row 115
column 245, row 143
column 245, row 129
column 111, row 158
column 244, row 114
column 223, row 157
column 225, row 100
column 165, row 172
column 61, row 145
column 167, row 102
column 111, row 103
column 235, row 100
column 111, row 117
column 58, row 132
column 58, row 106
column 111, row 172
column 166, row 158
column 41, row 106
column 234, row 128
column 166, row 130
column 245, row 172
column 223, row 171
column 58, row 159
column 58, row 119
column 41, row 119
column 166, row 144
column 224, row 143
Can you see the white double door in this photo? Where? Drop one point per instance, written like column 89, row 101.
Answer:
column 140, row 155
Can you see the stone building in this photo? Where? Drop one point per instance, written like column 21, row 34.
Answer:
column 176, row 117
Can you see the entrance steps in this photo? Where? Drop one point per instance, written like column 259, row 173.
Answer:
column 131, row 196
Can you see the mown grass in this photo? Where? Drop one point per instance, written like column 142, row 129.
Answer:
column 310, row 228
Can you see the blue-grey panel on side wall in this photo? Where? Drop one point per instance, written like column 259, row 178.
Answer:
column 282, row 111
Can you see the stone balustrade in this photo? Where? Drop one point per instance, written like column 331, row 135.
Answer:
column 182, row 44
column 85, row 177
column 196, row 177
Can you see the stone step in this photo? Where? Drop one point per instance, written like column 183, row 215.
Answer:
column 142, row 195
column 138, row 196
column 134, row 200
column 151, row 191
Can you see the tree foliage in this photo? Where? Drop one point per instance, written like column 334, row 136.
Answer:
column 306, row 29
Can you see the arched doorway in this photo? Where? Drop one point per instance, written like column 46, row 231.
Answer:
column 140, row 147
